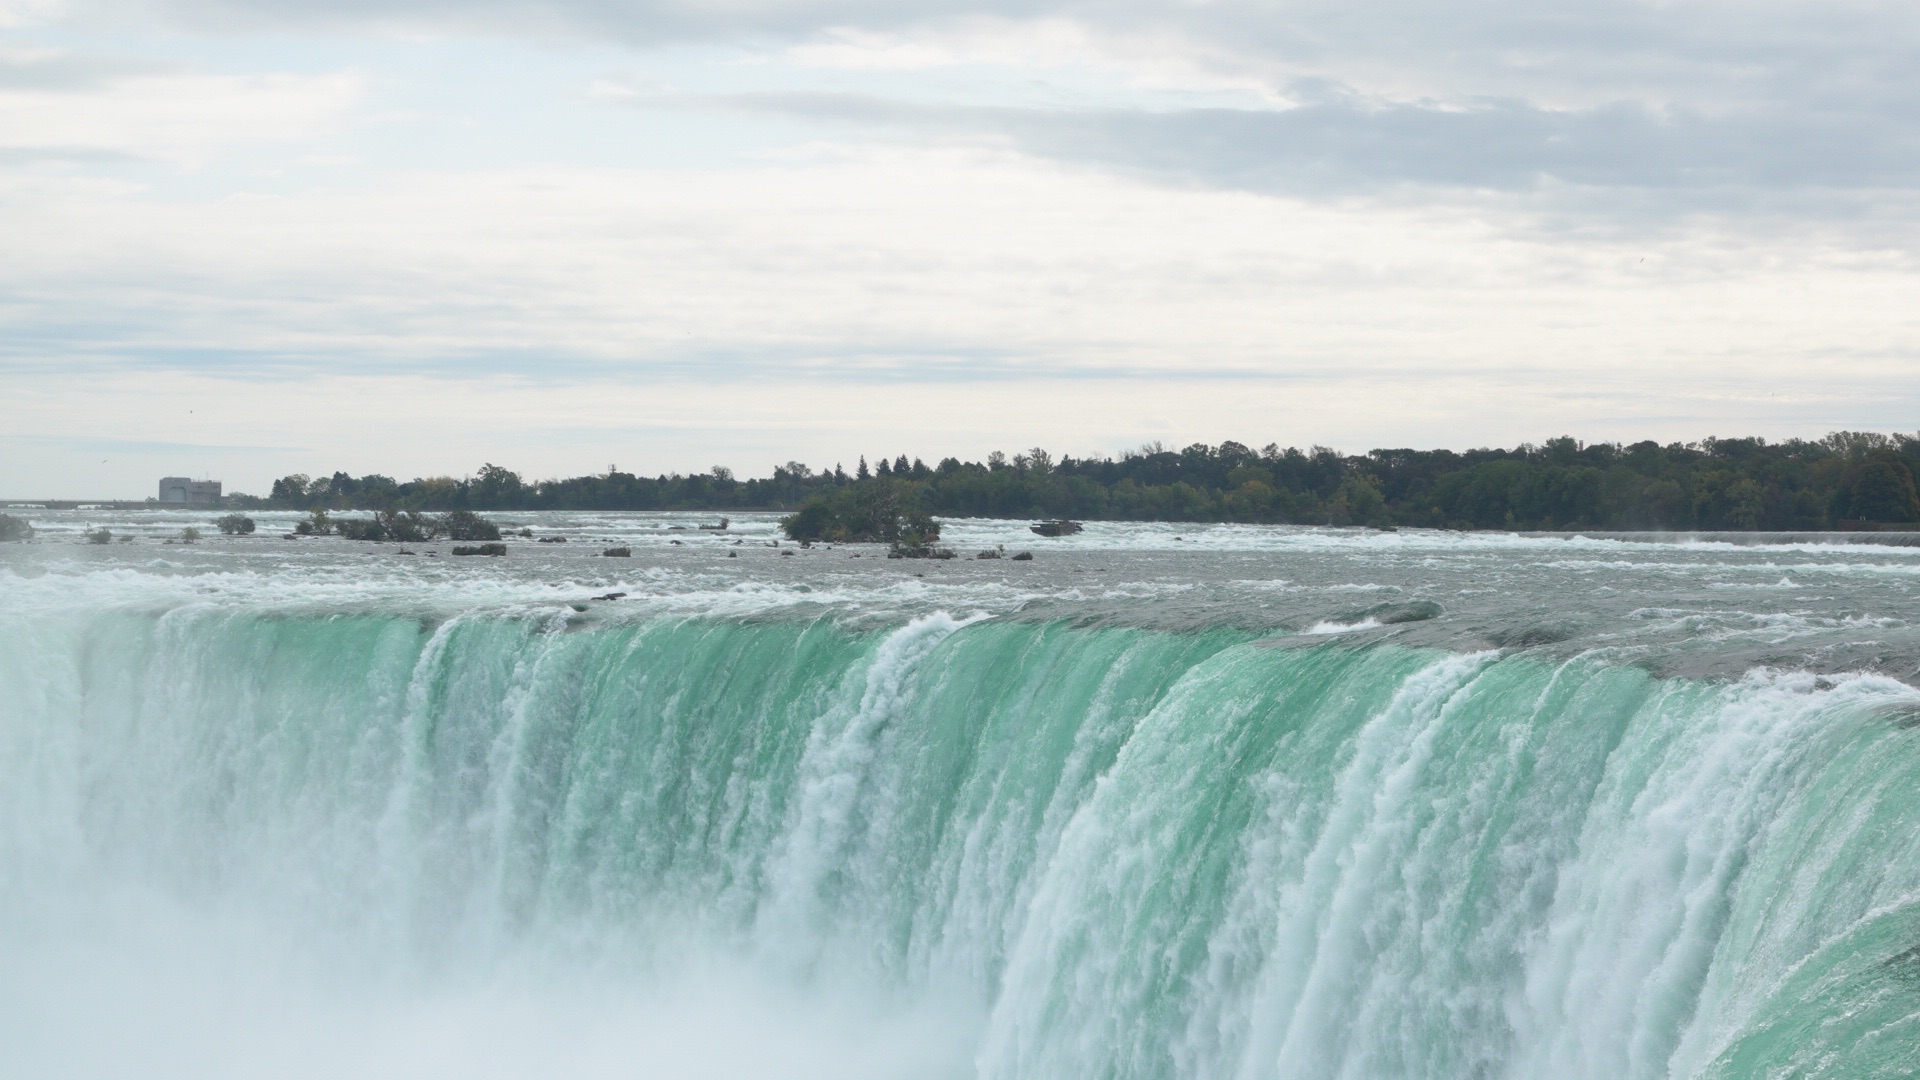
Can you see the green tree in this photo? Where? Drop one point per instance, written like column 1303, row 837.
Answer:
column 1358, row 502
column 1884, row 491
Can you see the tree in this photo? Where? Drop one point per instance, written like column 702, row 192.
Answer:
column 495, row 486
column 291, row 489
column 1358, row 502
column 235, row 525
column 1884, row 491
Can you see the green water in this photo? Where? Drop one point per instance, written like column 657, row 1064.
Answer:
column 1111, row 851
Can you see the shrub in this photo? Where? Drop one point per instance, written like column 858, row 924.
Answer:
column 13, row 528
column 101, row 535
column 480, row 549
column 618, row 553
column 467, row 525
column 235, row 525
column 360, row 528
column 407, row 526
column 317, row 524
column 189, row 534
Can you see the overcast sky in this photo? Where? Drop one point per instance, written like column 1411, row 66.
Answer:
column 246, row 239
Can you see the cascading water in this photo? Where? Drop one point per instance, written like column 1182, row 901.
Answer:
column 328, row 834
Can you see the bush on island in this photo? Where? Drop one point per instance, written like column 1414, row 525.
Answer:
column 618, row 553
column 102, row 535
column 467, row 525
column 359, row 528
column 13, row 528
column 189, row 534
column 480, row 549
column 317, row 524
column 235, row 525
column 407, row 525
column 879, row 510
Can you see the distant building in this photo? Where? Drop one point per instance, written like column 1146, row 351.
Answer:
column 181, row 491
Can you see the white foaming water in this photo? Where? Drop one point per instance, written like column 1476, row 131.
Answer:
column 1293, row 805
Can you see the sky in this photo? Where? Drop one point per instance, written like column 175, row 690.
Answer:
column 240, row 240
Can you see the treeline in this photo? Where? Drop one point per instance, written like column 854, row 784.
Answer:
column 1559, row 484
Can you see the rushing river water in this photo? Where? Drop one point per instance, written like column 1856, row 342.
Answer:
column 1165, row 801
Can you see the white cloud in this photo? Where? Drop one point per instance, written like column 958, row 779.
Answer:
column 174, row 117
column 17, row 13
column 898, row 263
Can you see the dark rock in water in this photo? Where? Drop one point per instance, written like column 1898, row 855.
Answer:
column 787, row 553
column 1059, row 527
column 1524, row 637
column 610, row 596
column 480, row 549
column 733, row 554
column 578, row 607
column 618, row 553
column 988, row 555
column 1393, row 614
column 552, row 540
column 1025, row 556
column 722, row 527
column 675, row 543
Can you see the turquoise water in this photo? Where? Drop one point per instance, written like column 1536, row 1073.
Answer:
column 331, row 819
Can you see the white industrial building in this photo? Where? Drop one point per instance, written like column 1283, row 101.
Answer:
column 181, row 491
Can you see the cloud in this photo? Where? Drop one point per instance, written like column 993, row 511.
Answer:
column 1345, row 146
column 1482, row 93
column 900, row 263
column 68, row 107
